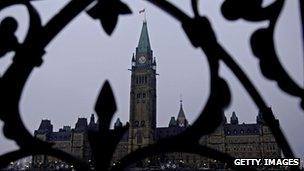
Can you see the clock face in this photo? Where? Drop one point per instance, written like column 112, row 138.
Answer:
column 142, row 59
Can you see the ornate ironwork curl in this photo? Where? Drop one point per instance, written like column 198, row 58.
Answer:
column 200, row 33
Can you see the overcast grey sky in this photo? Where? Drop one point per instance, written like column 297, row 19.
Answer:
column 82, row 57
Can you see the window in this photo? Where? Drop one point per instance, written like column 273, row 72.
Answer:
column 136, row 124
column 138, row 95
column 144, row 95
column 142, row 123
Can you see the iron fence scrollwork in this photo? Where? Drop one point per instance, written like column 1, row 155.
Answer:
column 29, row 53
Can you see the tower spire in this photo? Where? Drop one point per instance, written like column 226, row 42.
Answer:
column 144, row 41
column 181, row 118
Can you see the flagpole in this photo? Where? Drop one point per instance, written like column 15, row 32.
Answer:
column 143, row 11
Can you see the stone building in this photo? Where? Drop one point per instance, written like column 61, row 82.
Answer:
column 73, row 141
column 240, row 140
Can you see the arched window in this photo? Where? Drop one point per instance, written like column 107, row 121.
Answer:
column 142, row 124
column 136, row 124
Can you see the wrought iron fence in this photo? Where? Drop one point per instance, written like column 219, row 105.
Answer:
column 29, row 53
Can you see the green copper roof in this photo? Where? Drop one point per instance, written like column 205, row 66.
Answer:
column 144, row 42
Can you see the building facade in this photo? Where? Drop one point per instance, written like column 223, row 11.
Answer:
column 240, row 140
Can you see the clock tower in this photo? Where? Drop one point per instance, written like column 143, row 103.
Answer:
column 142, row 94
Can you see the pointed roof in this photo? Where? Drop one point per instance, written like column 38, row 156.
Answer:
column 181, row 118
column 81, row 124
column 144, row 41
column 234, row 119
column 233, row 115
column 172, row 122
column 181, row 113
column 45, row 126
column 92, row 119
column 117, row 124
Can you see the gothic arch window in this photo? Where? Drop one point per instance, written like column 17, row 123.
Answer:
column 136, row 124
column 142, row 124
column 138, row 95
column 144, row 95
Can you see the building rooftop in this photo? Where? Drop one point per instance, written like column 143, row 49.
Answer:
column 242, row 129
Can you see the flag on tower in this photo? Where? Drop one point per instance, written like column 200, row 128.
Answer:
column 143, row 10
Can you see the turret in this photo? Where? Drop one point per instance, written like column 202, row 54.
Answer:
column 93, row 125
column 259, row 118
column 181, row 118
column 172, row 122
column 133, row 60
column 234, row 119
column 117, row 124
column 154, row 64
column 92, row 120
